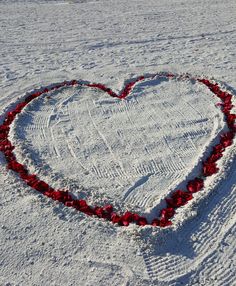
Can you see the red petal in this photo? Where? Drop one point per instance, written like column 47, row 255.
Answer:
column 195, row 185
column 156, row 222
column 167, row 213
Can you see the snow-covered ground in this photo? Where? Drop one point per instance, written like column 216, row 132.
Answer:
column 131, row 153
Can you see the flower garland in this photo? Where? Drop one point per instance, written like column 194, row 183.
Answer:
column 174, row 201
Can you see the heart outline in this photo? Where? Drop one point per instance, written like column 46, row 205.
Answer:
column 174, row 200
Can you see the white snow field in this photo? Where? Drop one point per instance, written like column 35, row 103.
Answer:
column 131, row 153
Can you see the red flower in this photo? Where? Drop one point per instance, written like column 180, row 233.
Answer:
column 195, row 185
column 209, row 169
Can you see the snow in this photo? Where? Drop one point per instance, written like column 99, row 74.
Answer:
column 115, row 150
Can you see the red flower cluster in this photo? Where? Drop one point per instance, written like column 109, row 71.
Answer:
column 128, row 218
column 177, row 199
column 226, row 139
column 195, row 185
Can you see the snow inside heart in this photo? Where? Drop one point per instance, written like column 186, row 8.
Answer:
column 131, row 154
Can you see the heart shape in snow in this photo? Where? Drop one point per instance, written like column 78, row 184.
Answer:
column 174, row 200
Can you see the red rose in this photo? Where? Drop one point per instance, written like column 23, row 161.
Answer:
column 195, row 185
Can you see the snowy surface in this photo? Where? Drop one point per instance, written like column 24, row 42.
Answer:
column 130, row 153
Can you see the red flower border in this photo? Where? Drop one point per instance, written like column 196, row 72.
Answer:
column 175, row 200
